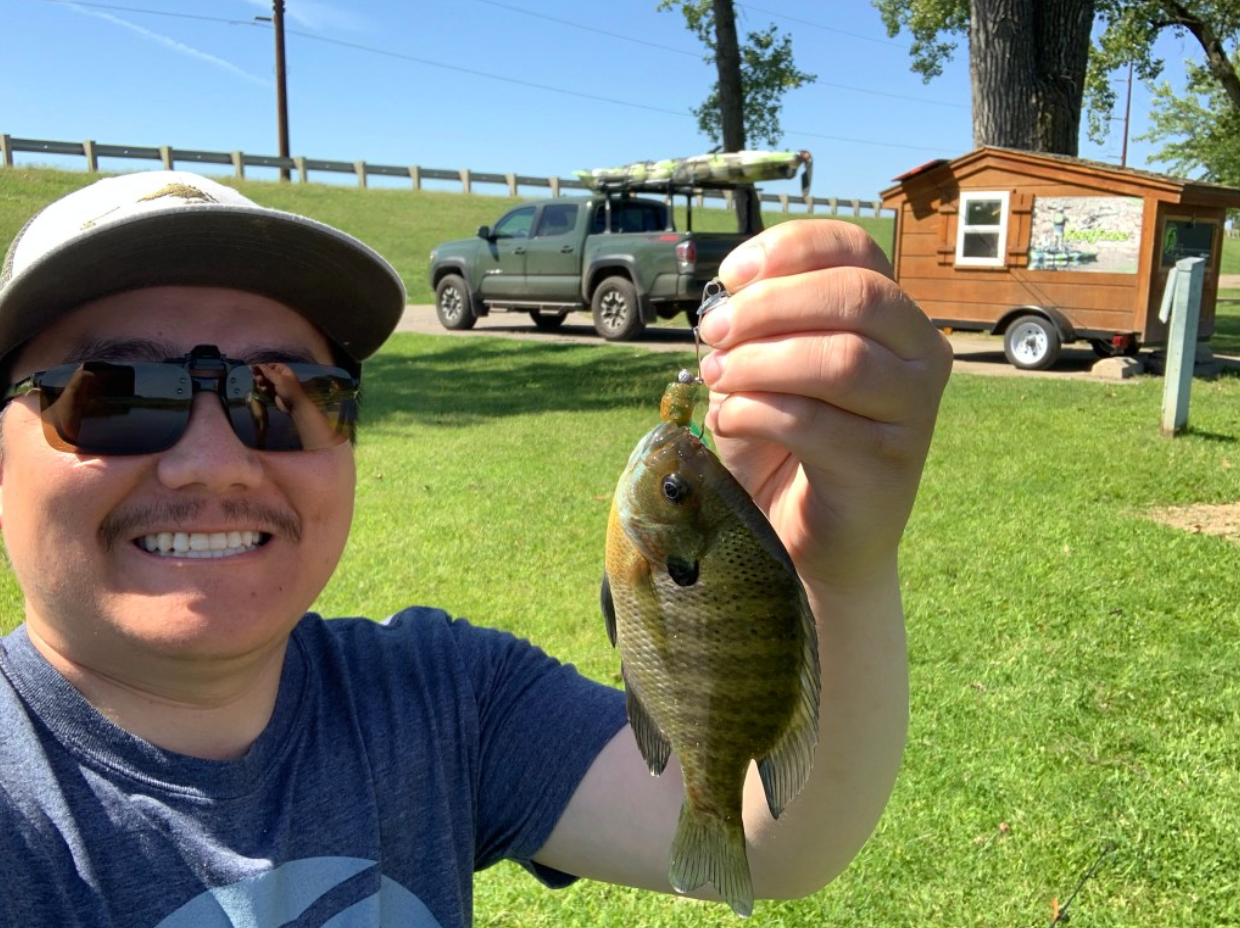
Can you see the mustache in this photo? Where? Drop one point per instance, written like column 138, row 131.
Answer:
column 120, row 527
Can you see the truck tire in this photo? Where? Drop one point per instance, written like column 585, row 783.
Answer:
column 617, row 315
column 453, row 304
column 1032, row 343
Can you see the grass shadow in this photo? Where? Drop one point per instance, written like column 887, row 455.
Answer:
column 458, row 381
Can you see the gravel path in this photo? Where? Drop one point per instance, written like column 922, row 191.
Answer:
column 976, row 354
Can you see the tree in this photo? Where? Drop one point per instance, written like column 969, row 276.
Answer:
column 1027, row 63
column 1203, row 128
column 1129, row 30
column 745, row 102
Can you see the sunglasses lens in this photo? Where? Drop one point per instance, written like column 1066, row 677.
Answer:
column 103, row 408
column 292, row 407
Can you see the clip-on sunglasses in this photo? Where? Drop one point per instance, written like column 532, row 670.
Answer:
column 142, row 407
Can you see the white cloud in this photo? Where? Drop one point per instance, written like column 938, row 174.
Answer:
column 172, row 44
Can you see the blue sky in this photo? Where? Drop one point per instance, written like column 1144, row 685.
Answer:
column 535, row 87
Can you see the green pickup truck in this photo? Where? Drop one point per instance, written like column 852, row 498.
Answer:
column 611, row 254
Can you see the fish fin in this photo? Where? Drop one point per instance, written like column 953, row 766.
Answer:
column 609, row 609
column 786, row 767
column 708, row 849
column 650, row 741
column 684, row 573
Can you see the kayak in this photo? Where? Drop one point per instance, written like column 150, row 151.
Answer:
column 715, row 169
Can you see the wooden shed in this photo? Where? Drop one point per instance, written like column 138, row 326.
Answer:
column 1046, row 249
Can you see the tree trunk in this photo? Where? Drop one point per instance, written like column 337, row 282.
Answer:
column 732, row 108
column 1027, row 62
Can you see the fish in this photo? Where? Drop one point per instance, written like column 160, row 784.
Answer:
column 717, row 644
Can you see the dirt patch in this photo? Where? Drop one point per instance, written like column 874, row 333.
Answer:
column 1221, row 519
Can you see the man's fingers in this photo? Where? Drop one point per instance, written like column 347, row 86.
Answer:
column 799, row 246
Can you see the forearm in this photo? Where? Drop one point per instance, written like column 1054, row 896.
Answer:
column 862, row 725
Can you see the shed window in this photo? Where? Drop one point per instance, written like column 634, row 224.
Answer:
column 981, row 236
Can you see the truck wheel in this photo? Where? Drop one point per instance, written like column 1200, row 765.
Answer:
column 617, row 316
column 1032, row 343
column 548, row 322
column 453, row 304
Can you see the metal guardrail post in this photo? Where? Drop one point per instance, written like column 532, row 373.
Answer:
column 554, row 183
column 466, row 183
column 303, row 173
column 238, row 163
column 511, row 178
column 92, row 161
column 415, row 175
column 6, row 153
column 165, row 156
column 359, row 167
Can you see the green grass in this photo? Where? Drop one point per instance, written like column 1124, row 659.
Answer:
column 402, row 225
column 1073, row 663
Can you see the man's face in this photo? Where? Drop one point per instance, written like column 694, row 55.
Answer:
column 82, row 531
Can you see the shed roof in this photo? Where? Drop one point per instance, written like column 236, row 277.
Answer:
column 1195, row 189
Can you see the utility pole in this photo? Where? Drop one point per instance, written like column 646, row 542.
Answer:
column 1123, row 158
column 277, row 21
column 277, row 24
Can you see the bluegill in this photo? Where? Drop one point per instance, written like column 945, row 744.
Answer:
column 717, row 644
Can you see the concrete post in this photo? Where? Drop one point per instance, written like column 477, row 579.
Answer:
column 303, row 173
column 6, row 151
column 554, row 183
column 833, row 205
column 466, row 182
column 809, row 204
column 360, row 168
column 856, row 205
column 165, row 156
column 783, row 202
column 1182, row 302
column 238, row 164
column 511, row 180
column 415, row 175
column 92, row 161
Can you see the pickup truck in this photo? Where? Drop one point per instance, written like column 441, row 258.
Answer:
column 611, row 254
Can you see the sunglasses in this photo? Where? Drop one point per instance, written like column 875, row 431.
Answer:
column 141, row 407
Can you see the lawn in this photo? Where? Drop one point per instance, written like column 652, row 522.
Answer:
column 1073, row 661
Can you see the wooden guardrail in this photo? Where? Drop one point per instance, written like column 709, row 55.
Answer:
column 169, row 157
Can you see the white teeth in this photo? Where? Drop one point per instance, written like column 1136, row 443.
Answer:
column 201, row 544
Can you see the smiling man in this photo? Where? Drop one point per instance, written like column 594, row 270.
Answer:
column 182, row 743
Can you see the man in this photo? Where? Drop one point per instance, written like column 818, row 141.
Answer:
column 184, row 745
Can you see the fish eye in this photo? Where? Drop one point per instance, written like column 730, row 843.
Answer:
column 675, row 488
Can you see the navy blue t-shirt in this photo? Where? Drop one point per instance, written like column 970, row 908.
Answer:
column 401, row 757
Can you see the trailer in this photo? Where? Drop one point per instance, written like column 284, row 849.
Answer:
column 1045, row 250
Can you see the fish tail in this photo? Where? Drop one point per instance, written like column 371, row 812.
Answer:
column 708, row 849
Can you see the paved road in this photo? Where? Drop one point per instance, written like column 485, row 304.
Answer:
column 977, row 354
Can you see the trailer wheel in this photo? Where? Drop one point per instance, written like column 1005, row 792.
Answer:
column 453, row 304
column 1032, row 343
column 617, row 317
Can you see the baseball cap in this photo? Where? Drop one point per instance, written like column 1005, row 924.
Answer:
column 163, row 228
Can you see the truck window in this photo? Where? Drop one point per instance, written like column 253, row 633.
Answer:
column 631, row 217
column 515, row 224
column 557, row 219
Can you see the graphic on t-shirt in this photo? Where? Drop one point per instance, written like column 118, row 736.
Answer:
column 316, row 892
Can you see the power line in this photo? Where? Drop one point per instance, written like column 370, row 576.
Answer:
column 806, row 22
column 613, row 35
column 505, row 78
column 495, row 77
column 131, row 9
